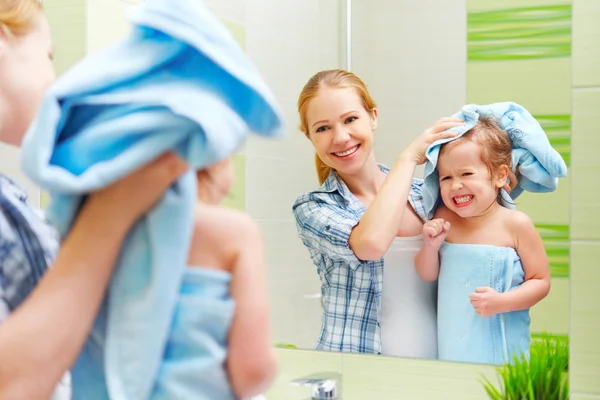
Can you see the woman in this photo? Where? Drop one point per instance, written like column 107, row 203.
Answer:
column 42, row 333
column 361, row 213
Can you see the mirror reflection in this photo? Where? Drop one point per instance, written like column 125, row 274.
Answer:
column 453, row 268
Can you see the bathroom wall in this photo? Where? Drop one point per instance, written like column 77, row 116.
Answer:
column 288, row 40
column 412, row 56
column 520, row 50
column 585, row 202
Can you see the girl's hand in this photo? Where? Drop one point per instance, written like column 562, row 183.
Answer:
column 486, row 301
column 416, row 150
column 435, row 232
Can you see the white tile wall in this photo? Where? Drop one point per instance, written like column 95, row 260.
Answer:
column 414, row 62
column 289, row 41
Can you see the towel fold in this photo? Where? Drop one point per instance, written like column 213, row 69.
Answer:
column 539, row 164
column 178, row 82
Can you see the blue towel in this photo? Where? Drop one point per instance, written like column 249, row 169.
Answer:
column 539, row 164
column 463, row 335
column 178, row 82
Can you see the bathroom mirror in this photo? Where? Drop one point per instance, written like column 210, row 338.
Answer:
column 421, row 61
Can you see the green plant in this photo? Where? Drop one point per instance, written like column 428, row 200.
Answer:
column 543, row 377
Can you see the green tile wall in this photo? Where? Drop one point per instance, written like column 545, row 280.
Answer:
column 585, row 195
column 521, row 52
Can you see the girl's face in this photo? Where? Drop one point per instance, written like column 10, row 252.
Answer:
column 466, row 185
column 340, row 129
column 26, row 72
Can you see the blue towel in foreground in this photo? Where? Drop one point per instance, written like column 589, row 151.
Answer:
column 539, row 164
column 178, row 82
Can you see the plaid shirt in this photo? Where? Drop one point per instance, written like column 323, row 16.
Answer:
column 27, row 246
column 351, row 288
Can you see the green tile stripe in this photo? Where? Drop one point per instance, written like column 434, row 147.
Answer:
column 519, row 33
column 556, row 243
column 558, row 128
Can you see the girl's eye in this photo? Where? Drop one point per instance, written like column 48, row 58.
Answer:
column 445, row 178
column 350, row 120
column 467, row 173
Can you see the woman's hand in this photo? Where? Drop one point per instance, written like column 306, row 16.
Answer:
column 129, row 198
column 416, row 150
column 513, row 181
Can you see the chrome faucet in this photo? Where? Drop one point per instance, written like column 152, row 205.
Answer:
column 323, row 386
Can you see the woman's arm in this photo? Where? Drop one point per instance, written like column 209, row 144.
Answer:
column 251, row 363
column 43, row 337
column 377, row 228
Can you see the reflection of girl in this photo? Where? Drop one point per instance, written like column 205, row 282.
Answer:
column 42, row 333
column 365, row 216
column 221, row 332
column 492, row 255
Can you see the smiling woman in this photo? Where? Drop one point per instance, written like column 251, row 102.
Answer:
column 361, row 211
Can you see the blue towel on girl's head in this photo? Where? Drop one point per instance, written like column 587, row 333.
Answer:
column 539, row 164
column 178, row 82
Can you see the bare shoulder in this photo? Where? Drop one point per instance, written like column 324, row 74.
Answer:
column 520, row 227
column 219, row 235
column 223, row 223
column 517, row 220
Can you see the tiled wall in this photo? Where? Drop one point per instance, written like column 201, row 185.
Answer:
column 585, row 202
column 413, row 60
column 521, row 51
column 289, row 41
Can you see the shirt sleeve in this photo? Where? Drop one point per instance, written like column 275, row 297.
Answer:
column 415, row 198
column 325, row 228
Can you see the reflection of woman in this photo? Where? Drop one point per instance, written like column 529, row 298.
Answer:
column 365, row 216
column 41, row 334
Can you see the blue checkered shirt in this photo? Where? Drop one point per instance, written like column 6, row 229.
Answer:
column 351, row 288
column 27, row 246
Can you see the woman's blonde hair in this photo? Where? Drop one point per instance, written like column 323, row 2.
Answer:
column 338, row 79
column 17, row 16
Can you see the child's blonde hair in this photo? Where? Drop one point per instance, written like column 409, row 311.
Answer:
column 496, row 147
column 17, row 16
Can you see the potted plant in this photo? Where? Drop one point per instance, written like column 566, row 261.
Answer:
column 543, row 377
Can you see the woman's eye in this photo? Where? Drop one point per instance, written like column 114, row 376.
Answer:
column 351, row 120
column 321, row 129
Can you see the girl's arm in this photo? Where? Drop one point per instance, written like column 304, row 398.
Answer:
column 373, row 235
column 427, row 260
column 43, row 337
column 535, row 264
column 252, row 362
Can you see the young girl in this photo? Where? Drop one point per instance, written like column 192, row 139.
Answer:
column 42, row 328
column 229, row 351
column 490, row 260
